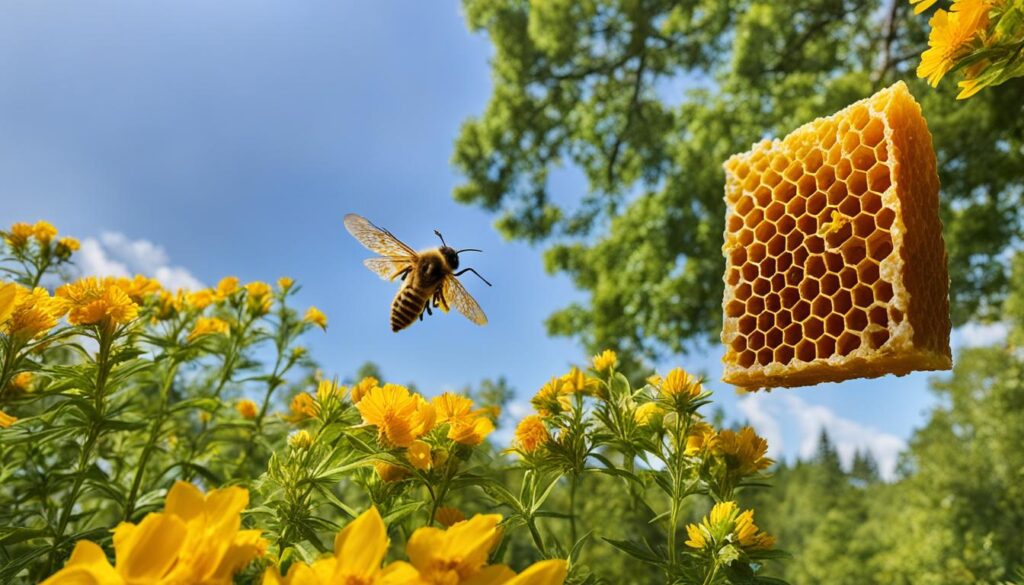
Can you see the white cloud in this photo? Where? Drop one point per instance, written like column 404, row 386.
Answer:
column 981, row 334
column 769, row 413
column 114, row 254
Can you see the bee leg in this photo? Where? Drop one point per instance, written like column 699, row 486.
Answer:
column 461, row 272
column 427, row 309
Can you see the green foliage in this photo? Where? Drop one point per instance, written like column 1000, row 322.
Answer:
column 647, row 98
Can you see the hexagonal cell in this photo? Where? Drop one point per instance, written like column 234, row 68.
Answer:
column 774, row 211
column 755, row 340
column 878, row 338
column 733, row 276
column 734, row 224
column 829, row 284
column 772, row 303
column 739, row 343
column 800, row 255
column 834, row 325
column 862, row 296
column 807, row 225
column 835, row 154
column 754, row 218
column 864, row 223
column 796, row 206
column 879, row 246
column 777, row 245
column 882, row 153
column 871, row 203
column 746, row 359
column 843, row 169
column 879, row 178
column 825, row 346
column 785, row 224
column 883, row 293
column 885, row 218
column 784, row 191
column 771, row 178
column 863, row 158
column 763, row 196
column 854, row 250
column 833, row 261
column 795, row 170
column 762, row 286
column 806, row 185
column 815, row 245
column 867, row 270
column 836, row 193
column 809, row 288
column 749, row 272
column 751, row 182
column 847, row 343
column 773, row 338
column 821, row 307
column 764, row 232
column 857, row 184
column 814, row 327
column 895, row 315
column 783, row 261
column 801, row 310
column 842, row 301
column 765, row 321
column 859, row 117
column 878, row 316
column 744, row 205
column 747, row 324
column 856, row 319
column 745, row 237
column 793, row 334
column 848, row 277
column 795, row 274
column 738, row 256
column 873, row 133
column 815, row 268
column 734, row 308
column 778, row 282
column 784, row 354
column 813, row 160
column 834, row 237
column 850, row 142
column 825, row 177
column 783, row 318
column 764, row 357
column 757, row 252
column 755, row 305
column 816, row 203
column 743, row 291
column 767, row 267
column 779, row 163
column 805, row 350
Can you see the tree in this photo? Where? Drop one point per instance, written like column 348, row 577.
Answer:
column 647, row 98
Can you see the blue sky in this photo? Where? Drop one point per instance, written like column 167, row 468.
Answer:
column 205, row 138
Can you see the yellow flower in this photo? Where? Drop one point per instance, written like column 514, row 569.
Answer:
column 247, row 408
column 225, row 288
column 29, row 314
column 648, row 413
column 300, row 440
column 418, row 455
column 44, row 232
column 284, row 283
column 552, row 398
column 197, row 539
column 743, row 451
column 260, row 297
column 447, row 516
column 17, row 237
column 7, row 420
column 390, row 473
column 605, row 361
column 316, row 317
column 139, row 287
column 471, row 432
column 327, row 389
column 452, row 408
column 66, row 247
column 209, row 326
column 531, row 433
column 302, row 407
column 358, row 552
column 701, row 436
column 400, row 416
column 201, row 299
column 364, row 386
column 726, row 524
column 922, row 5
column 951, row 34
column 577, row 382
column 459, row 555
column 94, row 301
column 21, row 382
column 679, row 383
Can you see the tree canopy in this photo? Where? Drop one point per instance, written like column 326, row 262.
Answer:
column 647, row 98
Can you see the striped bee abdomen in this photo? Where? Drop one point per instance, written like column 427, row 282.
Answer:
column 407, row 306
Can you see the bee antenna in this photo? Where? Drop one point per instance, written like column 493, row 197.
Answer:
column 467, row 250
column 442, row 238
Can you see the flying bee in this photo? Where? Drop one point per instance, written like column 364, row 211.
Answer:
column 428, row 277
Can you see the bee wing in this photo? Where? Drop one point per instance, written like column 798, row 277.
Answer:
column 388, row 268
column 455, row 295
column 377, row 239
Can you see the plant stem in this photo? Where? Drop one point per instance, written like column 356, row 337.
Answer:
column 574, row 481
column 710, row 578
column 154, row 435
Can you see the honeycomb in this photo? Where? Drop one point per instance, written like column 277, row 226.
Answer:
column 835, row 266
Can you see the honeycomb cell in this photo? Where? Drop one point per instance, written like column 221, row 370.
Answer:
column 835, row 266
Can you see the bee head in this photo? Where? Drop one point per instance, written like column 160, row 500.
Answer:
column 451, row 255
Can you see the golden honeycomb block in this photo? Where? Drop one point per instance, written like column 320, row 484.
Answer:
column 835, row 266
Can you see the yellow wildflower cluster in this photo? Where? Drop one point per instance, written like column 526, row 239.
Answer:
column 466, row 425
column 104, row 302
column 532, row 433
column 209, row 326
column 247, row 409
column 19, row 235
column 727, row 525
column 316, row 317
column 26, row 314
column 982, row 36
column 743, row 451
column 452, row 556
column 197, row 539
column 400, row 416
